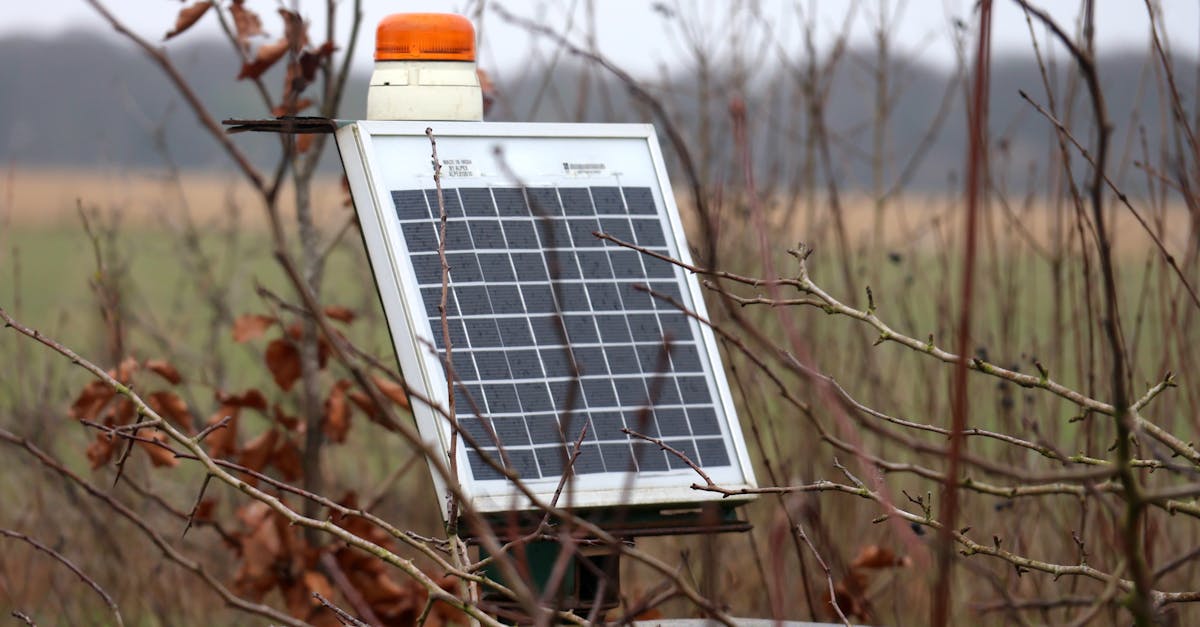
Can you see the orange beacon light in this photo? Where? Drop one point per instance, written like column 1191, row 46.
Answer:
column 425, row 69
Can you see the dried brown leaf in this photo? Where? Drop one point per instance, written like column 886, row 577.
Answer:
column 292, row 108
column 188, row 16
column 341, row 314
column 251, row 326
column 875, row 556
column 223, row 442
column 287, row 460
column 283, row 360
column 257, row 452
column 100, row 450
column 267, row 55
column 125, row 371
column 164, row 369
column 159, row 455
column 392, row 390
column 303, row 143
column 289, row 422
column 246, row 23
column 91, row 400
column 170, row 406
column 337, row 413
column 251, row 398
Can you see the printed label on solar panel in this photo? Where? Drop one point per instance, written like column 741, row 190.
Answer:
column 550, row 335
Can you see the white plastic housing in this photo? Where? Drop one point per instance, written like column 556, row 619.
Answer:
column 424, row 90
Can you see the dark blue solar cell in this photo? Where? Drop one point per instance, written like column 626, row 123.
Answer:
column 649, row 457
column 653, row 357
column 604, row 297
column 458, row 334
column 530, row 267
column 547, row 330
column 634, row 297
column 492, row 365
column 543, row 428
column 478, row 429
column 561, row 265
column 480, row 470
column 473, row 300
column 599, row 392
column 573, row 424
column 534, row 397
column 450, row 197
column 553, row 233
column 644, row 328
column 420, row 237
column 483, row 333
column 571, row 296
column 685, row 358
column 626, row 264
column 520, row 234
column 581, row 329
column 618, row 457
column 477, row 201
column 686, row 448
column 557, row 362
column 663, row 391
column 694, row 389
column 501, row 398
column 428, row 268
column 666, row 289
column 588, row 461
column 594, row 264
column 640, row 200
column 590, row 360
column 576, row 201
column 514, row 332
column 648, row 233
column 487, row 234
column 468, row 400
column 410, row 205
column 539, row 298
column 525, row 364
column 567, row 394
column 712, row 452
column 657, row 268
column 581, row 232
column 506, row 299
column 464, row 366
column 496, row 267
column 608, row 200
column 703, row 421
column 511, row 431
column 463, row 268
column 458, row 237
column 613, row 329
column 676, row 326
column 432, row 296
column 641, row 420
column 543, row 201
column 622, row 359
column 631, row 391
column 523, row 463
column 619, row 228
column 510, row 202
column 552, row 459
column 608, row 425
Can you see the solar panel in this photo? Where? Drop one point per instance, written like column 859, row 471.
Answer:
column 551, row 332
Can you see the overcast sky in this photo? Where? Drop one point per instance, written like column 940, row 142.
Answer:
column 642, row 35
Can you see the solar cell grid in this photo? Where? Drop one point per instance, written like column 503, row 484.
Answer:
column 536, row 300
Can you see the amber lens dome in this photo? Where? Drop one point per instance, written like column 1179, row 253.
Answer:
column 425, row 37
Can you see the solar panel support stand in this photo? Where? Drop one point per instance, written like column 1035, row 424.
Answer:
column 591, row 576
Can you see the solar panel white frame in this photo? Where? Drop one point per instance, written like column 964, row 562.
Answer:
column 383, row 156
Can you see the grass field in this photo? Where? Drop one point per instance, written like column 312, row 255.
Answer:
column 47, row 262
